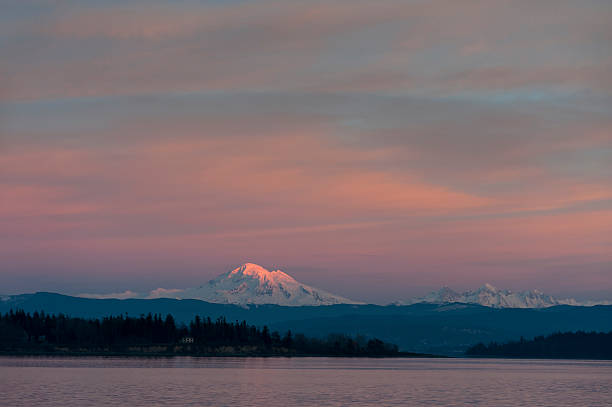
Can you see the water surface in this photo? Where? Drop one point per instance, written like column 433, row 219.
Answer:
column 186, row 381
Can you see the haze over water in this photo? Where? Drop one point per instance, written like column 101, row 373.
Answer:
column 185, row 381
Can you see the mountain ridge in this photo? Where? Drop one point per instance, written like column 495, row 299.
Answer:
column 490, row 296
column 252, row 284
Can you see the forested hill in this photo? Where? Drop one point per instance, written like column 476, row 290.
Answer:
column 39, row 333
column 447, row 329
column 569, row 345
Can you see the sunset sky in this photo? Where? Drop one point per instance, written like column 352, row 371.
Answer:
column 374, row 149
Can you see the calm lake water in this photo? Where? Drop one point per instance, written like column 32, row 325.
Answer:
column 184, row 381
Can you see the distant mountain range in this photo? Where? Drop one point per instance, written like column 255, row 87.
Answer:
column 253, row 284
column 489, row 296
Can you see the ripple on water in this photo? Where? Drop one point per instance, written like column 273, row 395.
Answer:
column 65, row 381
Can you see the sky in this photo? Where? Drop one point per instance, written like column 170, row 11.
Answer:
column 374, row 149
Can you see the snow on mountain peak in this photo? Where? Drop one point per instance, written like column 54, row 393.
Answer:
column 490, row 296
column 488, row 287
column 253, row 284
column 252, row 270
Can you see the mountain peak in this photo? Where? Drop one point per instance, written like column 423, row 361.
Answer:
column 489, row 287
column 246, row 284
column 490, row 296
column 249, row 265
column 249, row 268
column 251, row 283
column 256, row 271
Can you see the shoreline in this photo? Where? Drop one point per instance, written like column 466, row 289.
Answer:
column 400, row 355
column 405, row 355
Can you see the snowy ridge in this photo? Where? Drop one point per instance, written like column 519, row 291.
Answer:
column 253, row 284
column 490, row 296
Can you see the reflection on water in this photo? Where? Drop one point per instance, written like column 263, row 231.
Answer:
column 185, row 381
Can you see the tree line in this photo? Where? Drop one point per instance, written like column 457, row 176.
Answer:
column 22, row 332
column 567, row 345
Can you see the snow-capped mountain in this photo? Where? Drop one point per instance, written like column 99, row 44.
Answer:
column 490, row 296
column 253, row 284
